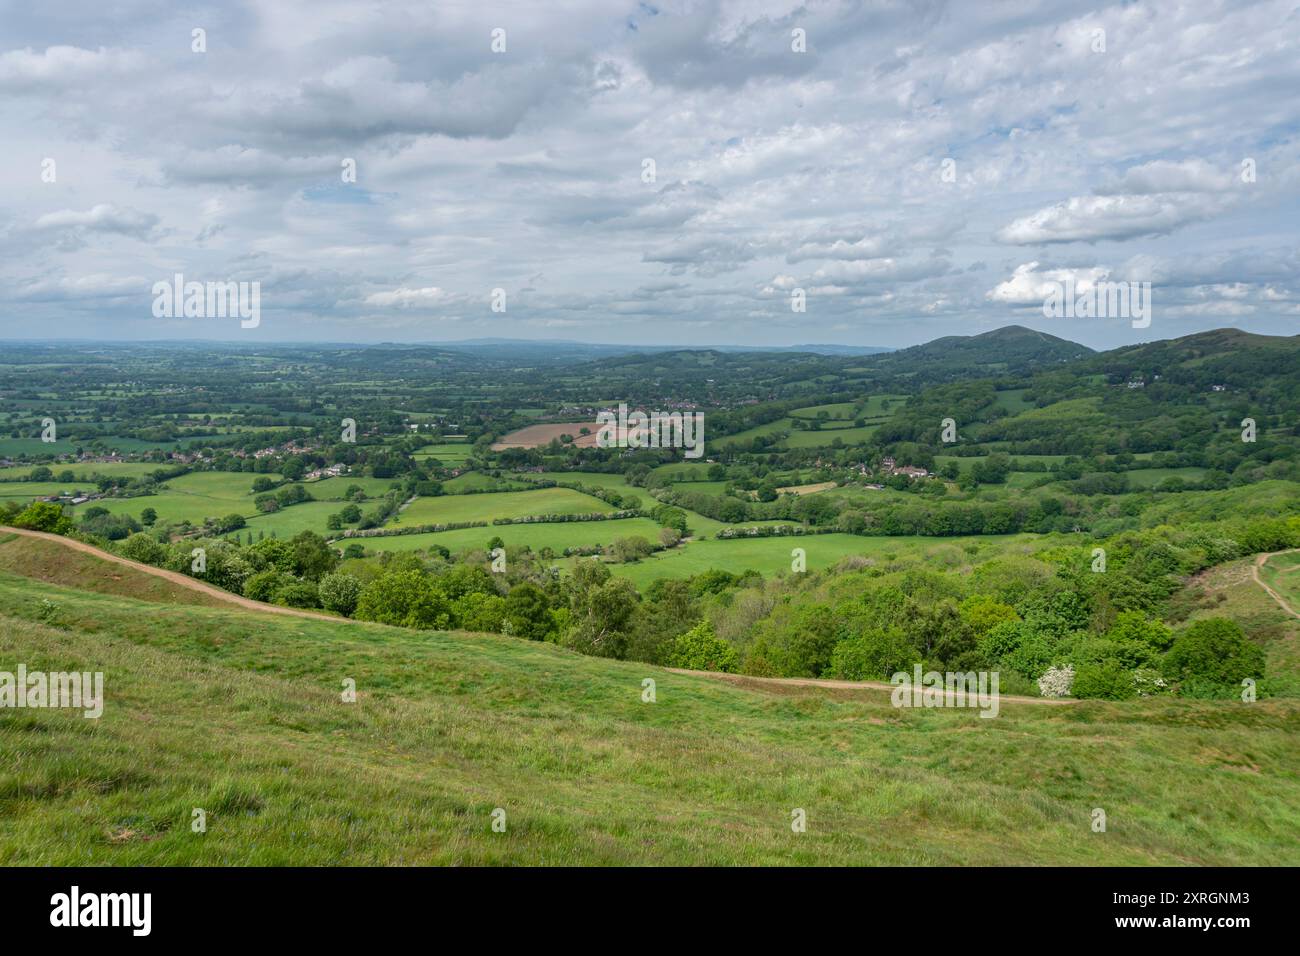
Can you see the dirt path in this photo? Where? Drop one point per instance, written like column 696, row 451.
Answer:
column 743, row 680
column 175, row 577
column 183, row 580
column 1254, row 571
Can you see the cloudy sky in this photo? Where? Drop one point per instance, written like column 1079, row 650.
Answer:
column 658, row 172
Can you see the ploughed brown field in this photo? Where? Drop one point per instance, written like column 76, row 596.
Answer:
column 535, row 435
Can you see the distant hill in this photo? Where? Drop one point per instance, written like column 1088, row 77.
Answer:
column 1012, row 345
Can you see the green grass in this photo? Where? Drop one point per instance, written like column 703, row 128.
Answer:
column 447, row 509
column 476, row 480
column 781, row 424
column 699, row 524
column 1012, row 400
column 766, row 555
column 173, row 507
column 1282, row 573
column 687, row 471
column 554, row 535
column 240, row 714
column 449, row 453
column 1150, row 477
column 83, row 470
column 21, row 447
column 26, row 490
column 826, row 437
column 287, row 522
column 837, row 411
column 331, row 489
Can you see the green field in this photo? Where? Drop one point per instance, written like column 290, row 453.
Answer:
column 698, row 524
column 448, row 509
column 287, row 522
column 772, row 555
column 476, row 480
column 826, row 437
column 26, row 490
column 239, row 713
column 83, row 470
column 448, row 453
column 1150, row 477
column 684, row 471
column 837, row 411
column 781, row 424
column 556, row 535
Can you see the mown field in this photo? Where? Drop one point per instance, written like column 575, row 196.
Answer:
column 446, row 509
column 240, row 713
column 554, row 535
column 773, row 555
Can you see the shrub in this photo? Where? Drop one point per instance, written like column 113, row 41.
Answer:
column 1213, row 650
column 1107, row 680
column 477, row 611
column 874, row 654
column 43, row 516
column 405, row 598
column 298, row 594
column 700, row 649
column 527, row 613
column 143, row 548
column 339, row 593
column 1057, row 681
column 263, row 586
column 632, row 548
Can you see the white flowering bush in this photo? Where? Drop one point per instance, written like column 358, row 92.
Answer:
column 1057, row 681
column 1148, row 682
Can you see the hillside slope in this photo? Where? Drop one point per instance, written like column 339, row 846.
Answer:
column 240, row 714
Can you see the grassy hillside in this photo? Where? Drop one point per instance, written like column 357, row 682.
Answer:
column 240, row 713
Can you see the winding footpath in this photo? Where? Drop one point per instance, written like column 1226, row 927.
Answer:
column 175, row 577
column 1260, row 560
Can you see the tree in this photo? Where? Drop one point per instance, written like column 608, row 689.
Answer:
column 527, row 612
column 231, row 522
column 405, row 598
column 632, row 548
column 700, row 649
column 143, row 548
column 873, row 654
column 298, row 594
column 148, row 517
column 339, row 593
column 1214, row 650
column 477, row 611
column 1104, row 680
column 44, row 516
column 312, row 557
column 263, row 585
column 602, row 616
